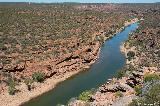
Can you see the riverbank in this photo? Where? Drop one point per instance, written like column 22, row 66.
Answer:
column 39, row 88
column 110, row 92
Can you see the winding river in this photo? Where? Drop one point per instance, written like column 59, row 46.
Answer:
column 109, row 62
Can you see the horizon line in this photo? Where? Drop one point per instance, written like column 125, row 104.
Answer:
column 81, row 2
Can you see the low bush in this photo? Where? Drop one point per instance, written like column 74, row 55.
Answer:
column 38, row 76
column 11, row 89
column 130, row 55
column 118, row 94
column 85, row 96
column 138, row 89
column 120, row 74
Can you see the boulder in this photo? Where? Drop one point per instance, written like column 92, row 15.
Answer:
column 137, row 74
column 113, row 88
column 1, row 66
column 20, row 67
column 14, row 68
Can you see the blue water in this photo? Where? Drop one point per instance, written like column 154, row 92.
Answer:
column 109, row 62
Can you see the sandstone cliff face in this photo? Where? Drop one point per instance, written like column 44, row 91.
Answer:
column 81, row 56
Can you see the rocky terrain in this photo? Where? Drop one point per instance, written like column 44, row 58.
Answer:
column 137, row 84
column 32, row 35
column 43, row 44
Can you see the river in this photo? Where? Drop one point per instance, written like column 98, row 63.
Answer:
column 109, row 62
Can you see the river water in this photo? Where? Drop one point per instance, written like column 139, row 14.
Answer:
column 109, row 62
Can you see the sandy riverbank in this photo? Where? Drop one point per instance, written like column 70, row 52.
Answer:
column 40, row 88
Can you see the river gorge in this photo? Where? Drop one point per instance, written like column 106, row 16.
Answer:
column 109, row 62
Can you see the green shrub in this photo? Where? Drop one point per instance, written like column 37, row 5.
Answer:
column 130, row 55
column 150, row 77
column 137, row 102
column 28, row 82
column 11, row 89
column 85, row 96
column 38, row 76
column 118, row 94
column 138, row 89
column 120, row 74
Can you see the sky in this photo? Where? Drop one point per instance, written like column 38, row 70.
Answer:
column 85, row 1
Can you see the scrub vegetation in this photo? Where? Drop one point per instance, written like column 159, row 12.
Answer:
column 42, row 41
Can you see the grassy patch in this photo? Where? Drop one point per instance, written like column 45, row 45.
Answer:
column 150, row 77
column 152, row 98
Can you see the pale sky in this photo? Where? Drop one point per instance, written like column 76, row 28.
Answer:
column 85, row 1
